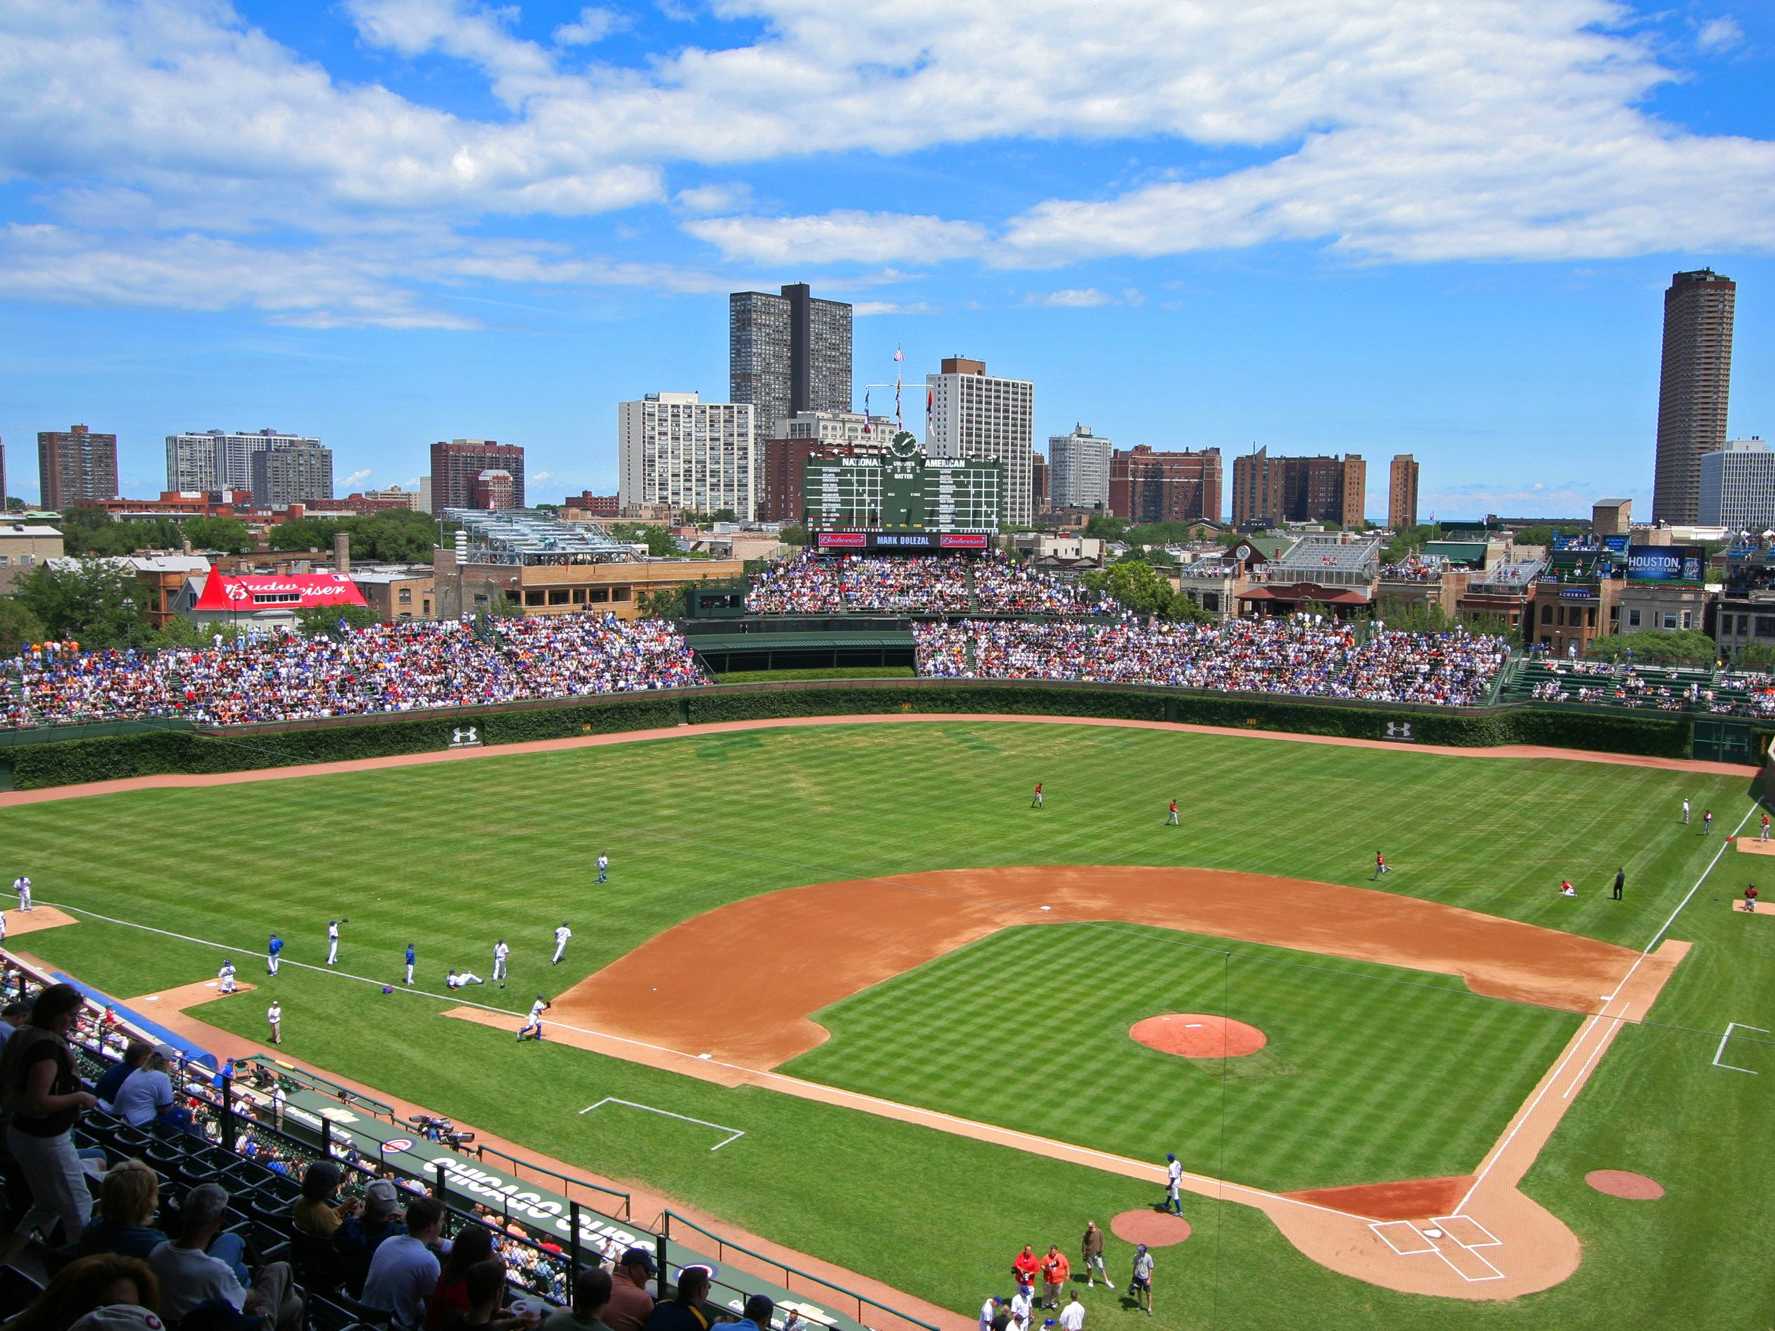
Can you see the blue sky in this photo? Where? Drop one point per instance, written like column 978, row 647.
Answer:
column 1353, row 226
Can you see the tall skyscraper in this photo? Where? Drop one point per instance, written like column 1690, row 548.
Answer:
column 1402, row 492
column 1738, row 486
column 1314, row 489
column 221, row 459
column 457, row 465
column 1149, row 486
column 1693, row 387
column 299, row 472
column 674, row 448
column 1079, row 466
column 970, row 415
column 75, row 466
column 788, row 354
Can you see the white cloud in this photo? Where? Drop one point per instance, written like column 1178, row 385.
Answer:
column 718, row 198
column 868, row 309
column 1071, row 298
column 538, row 478
column 357, row 478
column 593, row 25
column 843, row 236
column 1719, row 34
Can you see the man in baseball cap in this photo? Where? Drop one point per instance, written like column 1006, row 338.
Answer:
column 630, row 1303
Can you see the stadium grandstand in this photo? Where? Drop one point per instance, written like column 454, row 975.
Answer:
column 299, row 1181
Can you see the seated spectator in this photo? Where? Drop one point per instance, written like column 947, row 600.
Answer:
column 192, row 1275
column 760, row 1308
column 318, row 1212
column 630, row 1304
column 108, row 1085
column 591, row 1295
column 86, row 1283
column 485, row 1292
column 472, row 1245
column 404, row 1271
column 146, row 1094
column 357, row 1239
column 12, row 1016
column 685, row 1311
column 127, row 1202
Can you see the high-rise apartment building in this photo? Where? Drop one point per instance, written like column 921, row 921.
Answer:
column 674, row 448
column 1738, row 486
column 75, row 466
column 1079, row 466
column 300, row 472
column 456, row 465
column 1150, row 486
column 780, row 458
column 788, row 354
column 1315, row 489
column 1402, row 492
column 972, row 415
column 221, row 459
column 1694, row 384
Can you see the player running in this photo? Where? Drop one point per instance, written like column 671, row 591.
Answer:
column 561, row 936
column 533, row 1027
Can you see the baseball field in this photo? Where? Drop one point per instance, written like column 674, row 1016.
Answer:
column 927, row 991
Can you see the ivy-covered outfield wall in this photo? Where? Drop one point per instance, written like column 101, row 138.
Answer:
column 60, row 760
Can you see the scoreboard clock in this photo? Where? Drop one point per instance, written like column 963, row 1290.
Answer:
column 898, row 498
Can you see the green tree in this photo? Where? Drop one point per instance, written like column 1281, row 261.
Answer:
column 324, row 619
column 395, row 536
column 302, row 534
column 185, row 633
column 661, row 603
column 792, row 534
column 230, row 535
column 96, row 603
column 1404, row 542
column 1136, row 584
column 1184, row 610
column 658, row 540
column 1675, row 647
column 1755, row 656
column 1106, row 526
column 18, row 626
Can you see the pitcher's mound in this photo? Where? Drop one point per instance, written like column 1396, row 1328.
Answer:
column 1198, row 1035
column 1156, row 1229
column 1624, row 1183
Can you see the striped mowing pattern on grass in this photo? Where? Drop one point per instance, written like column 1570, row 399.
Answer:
column 1371, row 1072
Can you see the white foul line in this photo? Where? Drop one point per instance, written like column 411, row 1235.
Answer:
column 1498, row 1150
column 735, row 1133
column 1730, row 1027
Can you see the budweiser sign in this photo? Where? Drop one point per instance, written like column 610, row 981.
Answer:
column 291, row 591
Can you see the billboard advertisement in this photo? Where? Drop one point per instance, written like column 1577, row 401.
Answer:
column 1666, row 563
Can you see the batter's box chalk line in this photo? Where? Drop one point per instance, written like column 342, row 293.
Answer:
column 1422, row 1242
column 733, row 1134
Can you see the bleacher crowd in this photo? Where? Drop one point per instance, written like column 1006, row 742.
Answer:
column 1301, row 655
column 820, row 584
column 385, row 668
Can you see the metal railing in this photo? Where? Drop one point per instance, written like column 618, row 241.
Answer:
column 566, row 1182
column 787, row 1276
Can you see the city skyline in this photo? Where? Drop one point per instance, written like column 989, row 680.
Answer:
column 1191, row 260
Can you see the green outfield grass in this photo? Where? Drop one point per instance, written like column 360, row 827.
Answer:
column 453, row 856
column 1348, row 1089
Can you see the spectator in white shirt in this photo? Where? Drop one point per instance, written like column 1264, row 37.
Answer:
column 145, row 1093
column 191, row 1277
column 405, row 1271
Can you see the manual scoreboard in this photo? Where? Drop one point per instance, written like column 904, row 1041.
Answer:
column 901, row 499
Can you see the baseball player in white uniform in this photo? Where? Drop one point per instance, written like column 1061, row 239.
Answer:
column 1020, row 1303
column 22, row 885
column 561, row 936
column 225, row 978
column 332, row 941
column 988, row 1311
column 274, row 1017
column 458, row 979
column 500, row 953
column 1173, row 1185
column 2, row 926
column 533, row 1027
column 1685, row 813
column 603, row 868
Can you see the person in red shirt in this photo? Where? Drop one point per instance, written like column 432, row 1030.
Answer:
column 1566, row 889
column 1380, row 865
column 1024, row 1270
column 1055, row 1270
column 1750, row 897
column 1039, row 799
column 1171, row 817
